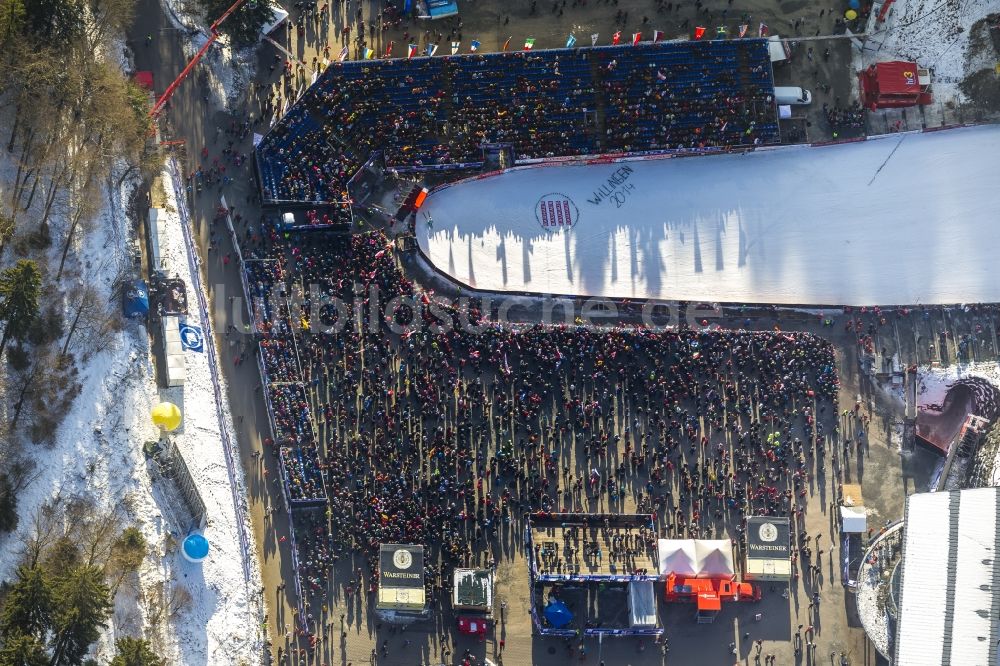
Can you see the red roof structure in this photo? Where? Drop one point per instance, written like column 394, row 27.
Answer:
column 894, row 84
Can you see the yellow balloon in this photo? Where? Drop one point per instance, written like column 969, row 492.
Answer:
column 167, row 416
column 850, row 14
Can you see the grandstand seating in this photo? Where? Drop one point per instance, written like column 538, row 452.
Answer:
column 432, row 111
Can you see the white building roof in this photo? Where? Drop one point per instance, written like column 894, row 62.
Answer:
column 949, row 607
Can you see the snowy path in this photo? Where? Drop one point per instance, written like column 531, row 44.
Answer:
column 905, row 219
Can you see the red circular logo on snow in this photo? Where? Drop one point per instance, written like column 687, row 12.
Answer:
column 556, row 211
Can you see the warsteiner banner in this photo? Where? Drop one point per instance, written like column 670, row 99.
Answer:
column 768, row 553
column 401, row 565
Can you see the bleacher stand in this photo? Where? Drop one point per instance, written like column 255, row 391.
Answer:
column 426, row 112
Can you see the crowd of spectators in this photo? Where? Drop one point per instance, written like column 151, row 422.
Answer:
column 841, row 119
column 447, row 435
column 423, row 112
column 289, row 410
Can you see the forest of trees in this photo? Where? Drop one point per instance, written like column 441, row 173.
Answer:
column 73, row 127
column 74, row 560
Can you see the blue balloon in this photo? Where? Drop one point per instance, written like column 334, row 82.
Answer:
column 854, row 4
column 195, row 548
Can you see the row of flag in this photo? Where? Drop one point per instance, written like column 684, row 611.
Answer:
column 529, row 43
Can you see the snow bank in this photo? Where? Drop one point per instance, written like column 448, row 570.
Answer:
column 935, row 35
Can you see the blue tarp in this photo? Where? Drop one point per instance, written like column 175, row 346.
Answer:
column 441, row 8
column 558, row 614
column 135, row 300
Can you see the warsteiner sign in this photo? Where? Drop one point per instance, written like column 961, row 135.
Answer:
column 768, row 551
column 401, row 577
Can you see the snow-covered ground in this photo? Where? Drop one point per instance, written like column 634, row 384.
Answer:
column 230, row 70
column 933, row 382
column 904, row 219
column 934, row 34
column 224, row 624
column 98, row 456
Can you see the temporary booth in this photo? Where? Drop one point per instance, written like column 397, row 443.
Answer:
column 894, row 84
column 768, row 551
column 853, row 519
column 641, row 604
column 472, row 590
column 401, row 578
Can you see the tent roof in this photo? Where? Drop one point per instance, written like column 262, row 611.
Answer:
column 715, row 557
column 897, row 78
column 696, row 557
column 853, row 519
column 677, row 556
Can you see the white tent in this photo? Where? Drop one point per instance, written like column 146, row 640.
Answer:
column 853, row 519
column 677, row 556
column 714, row 557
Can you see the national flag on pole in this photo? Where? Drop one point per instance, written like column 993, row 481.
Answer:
column 369, row 53
column 506, row 44
column 454, row 47
column 699, row 32
column 411, row 51
column 343, row 54
column 617, row 37
column 593, row 39
column 571, row 41
column 529, row 43
column 657, row 35
column 432, row 49
column 636, row 36
column 743, row 29
column 388, row 50
column 660, row 75
column 762, row 30
column 474, row 46
column 720, row 32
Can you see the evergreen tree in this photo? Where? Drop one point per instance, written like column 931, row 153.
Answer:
column 134, row 652
column 22, row 650
column 28, row 607
column 19, row 286
column 244, row 24
column 57, row 20
column 83, row 604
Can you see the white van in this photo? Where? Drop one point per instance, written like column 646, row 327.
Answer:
column 792, row 95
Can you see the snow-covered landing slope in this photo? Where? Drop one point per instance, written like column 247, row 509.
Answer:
column 903, row 219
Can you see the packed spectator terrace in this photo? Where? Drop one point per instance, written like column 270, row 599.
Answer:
column 423, row 113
